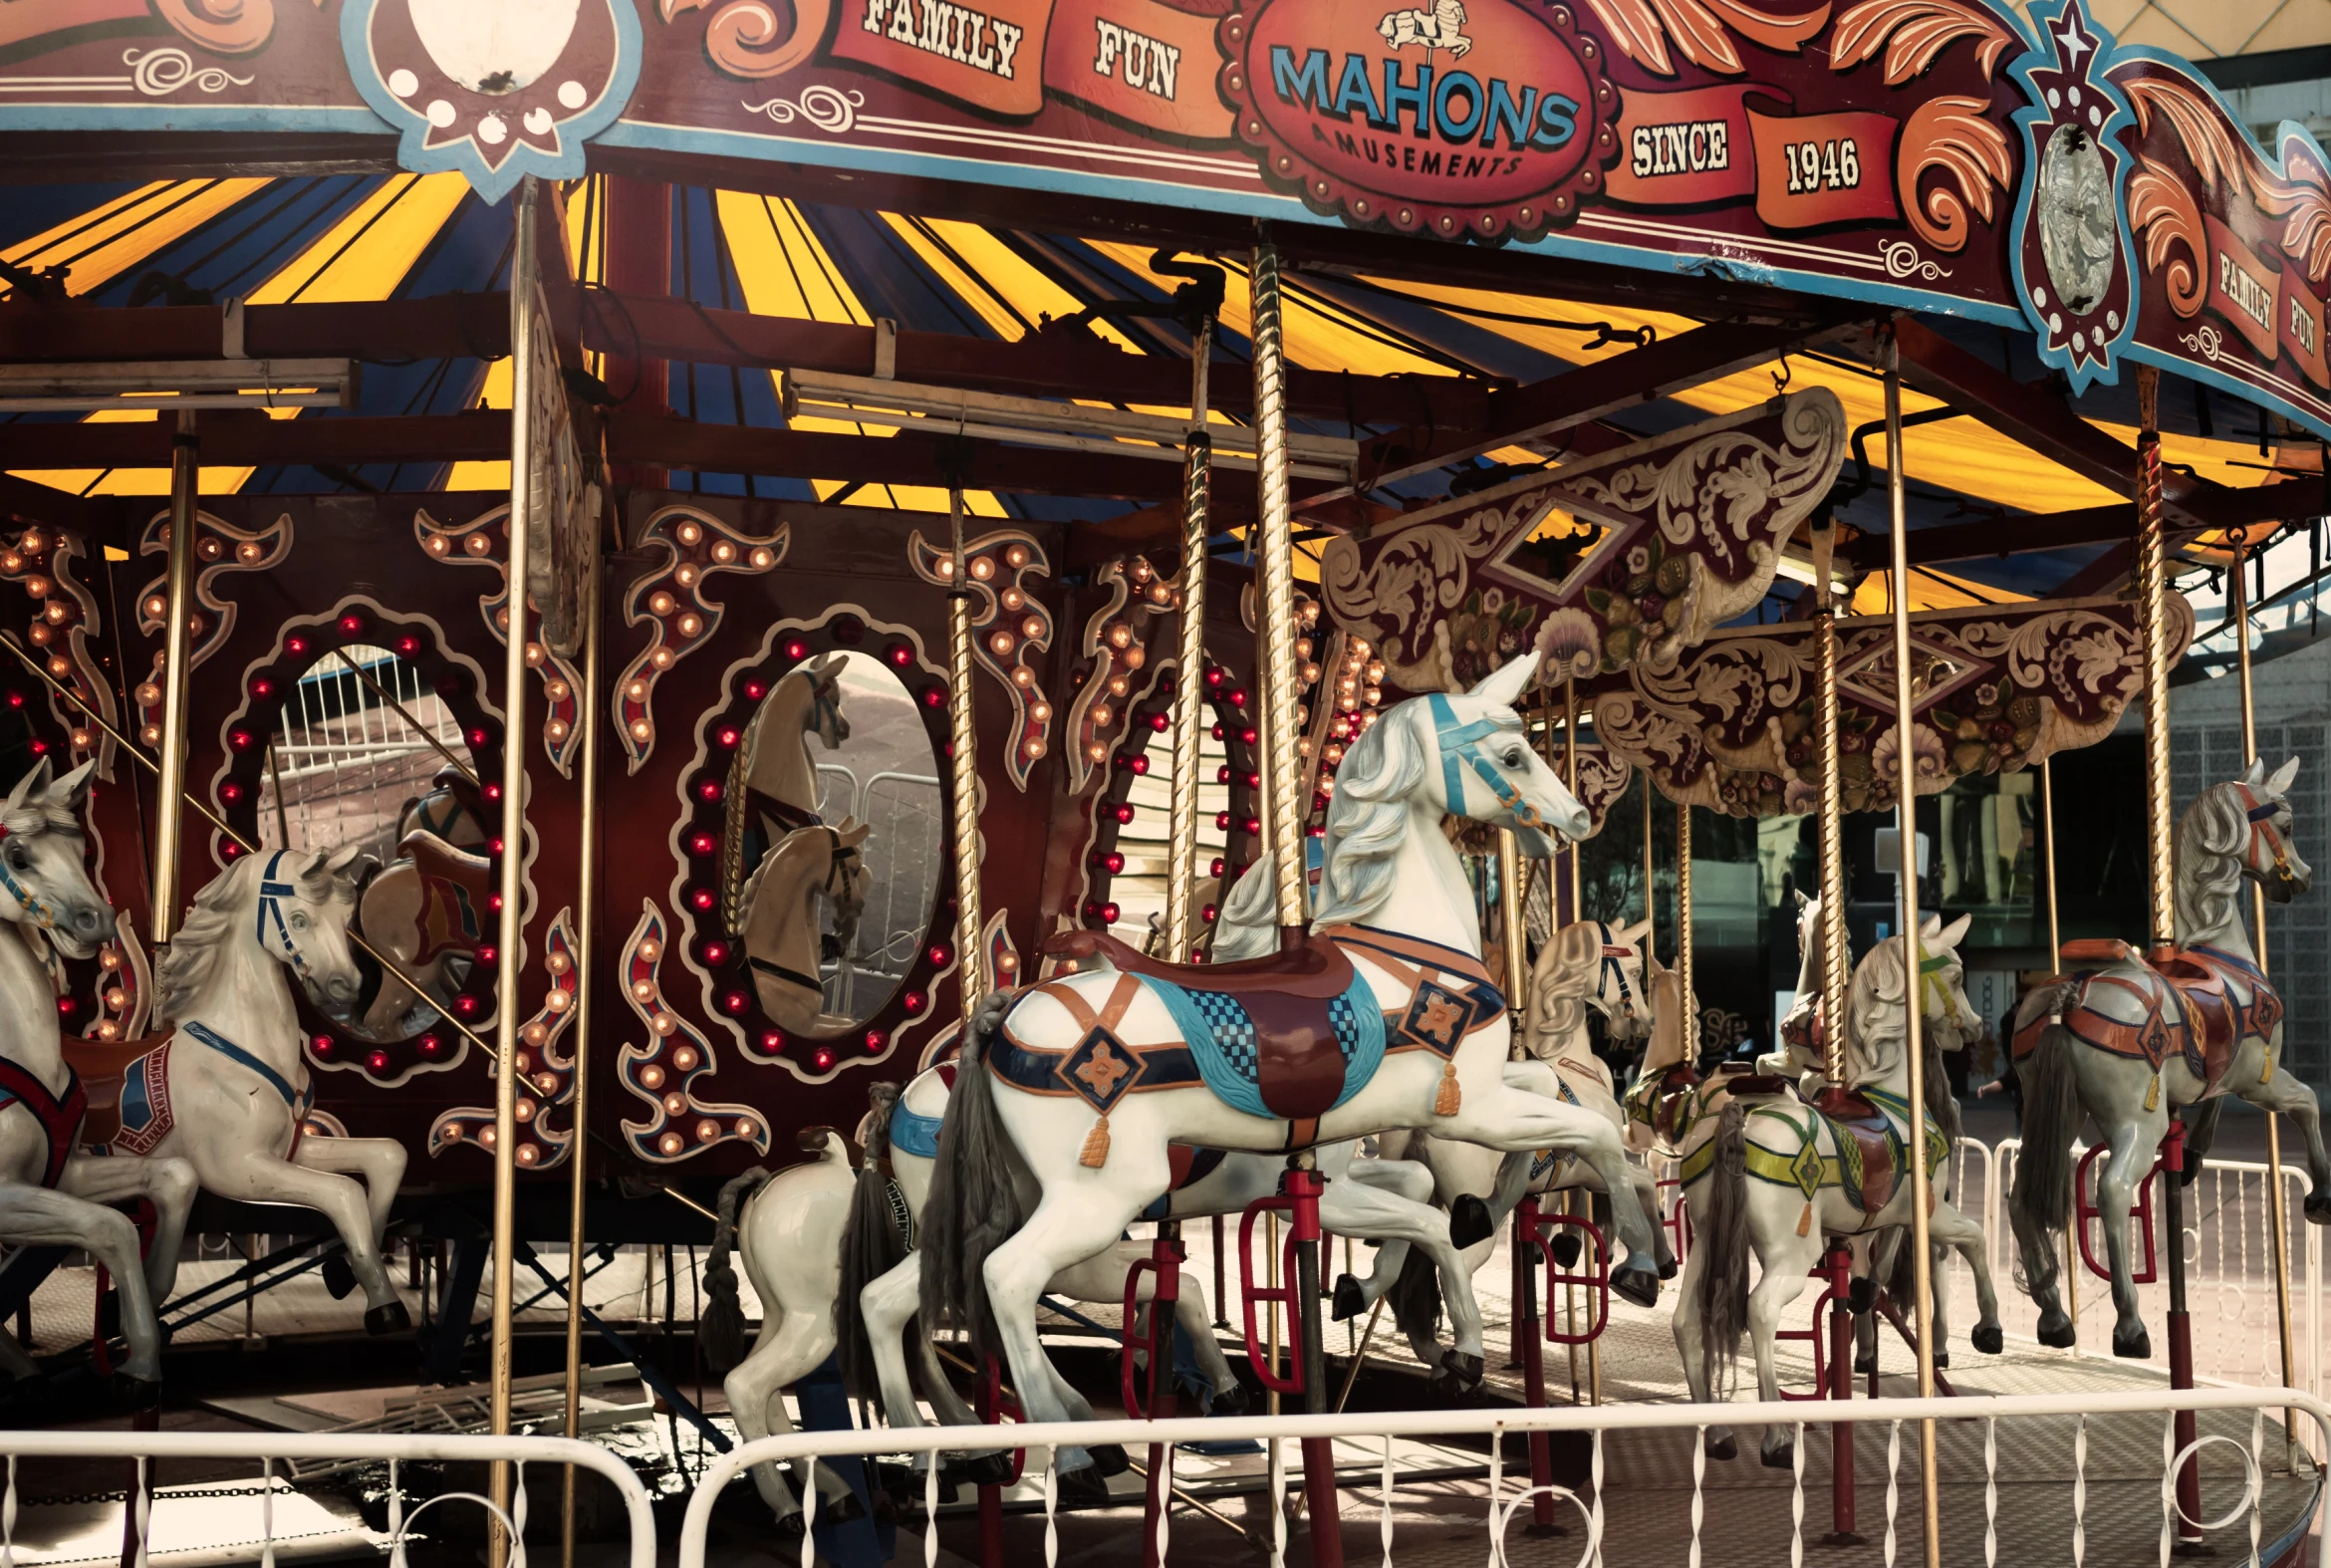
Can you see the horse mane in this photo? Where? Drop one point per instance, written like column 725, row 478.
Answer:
column 188, row 967
column 1558, row 988
column 1874, row 1006
column 1249, row 923
column 1663, row 990
column 2208, row 882
column 1368, row 820
column 38, row 815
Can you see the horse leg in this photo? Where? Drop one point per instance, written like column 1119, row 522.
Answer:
column 1408, row 1179
column 371, row 1168
column 2036, row 1244
column 256, row 1178
column 1873, row 1267
column 167, row 1184
column 750, row 1387
column 1646, row 1196
column 1787, row 1259
column 1952, row 1228
column 2289, row 1094
column 36, row 1216
column 887, row 1305
column 1195, row 1318
column 2133, row 1146
column 1349, row 1208
column 1507, row 1119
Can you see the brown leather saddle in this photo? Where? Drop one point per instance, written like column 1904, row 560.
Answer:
column 104, row 1066
column 1868, row 1146
column 1299, row 1065
column 460, row 897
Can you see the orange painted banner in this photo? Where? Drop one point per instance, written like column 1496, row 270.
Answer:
column 989, row 57
column 1817, row 170
column 2300, row 322
column 1679, row 149
column 2242, row 289
column 1138, row 62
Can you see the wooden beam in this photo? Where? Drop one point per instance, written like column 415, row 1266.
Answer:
column 2266, row 504
column 97, row 520
column 236, row 438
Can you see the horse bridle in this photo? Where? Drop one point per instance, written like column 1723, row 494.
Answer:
column 1457, row 746
column 838, row 854
column 43, row 913
column 1613, row 968
column 2262, row 820
column 826, row 703
column 1928, row 968
column 272, row 892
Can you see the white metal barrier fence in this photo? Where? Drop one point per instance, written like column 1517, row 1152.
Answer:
column 145, row 1451
column 1987, row 1427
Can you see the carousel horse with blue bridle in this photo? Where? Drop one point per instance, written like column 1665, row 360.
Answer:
column 2130, row 1039
column 54, row 1194
column 1379, row 1014
column 228, row 1089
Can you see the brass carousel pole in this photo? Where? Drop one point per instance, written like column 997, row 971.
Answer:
column 1684, row 930
column 2070, row 1276
column 2239, row 612
column 511, row 934
column 970, row 923
column 1577, row 912
column 178, row 652
column 1836, row 978
column 586, row 927
column 1650, row 901
column 1907, row 812
column 1189, row 702
column 1285, row 813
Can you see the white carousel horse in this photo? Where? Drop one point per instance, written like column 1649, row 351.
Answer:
column 1778, row 1176
column 778, row 923
column 1383, row 1017
column 1584, row 966
column 229, row 1088
column 428, row 910
column 780, row 774
column 2128, row 1042
column 52, row 1193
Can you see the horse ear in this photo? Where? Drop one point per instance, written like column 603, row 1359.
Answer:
column 35, row 781
column 1506, row 684
column 1802, row 901
column 1929, row 925
column 1956, row 932
column 2281, row 783
column 2256, row 773
column 1633, row 935
column 853, row 834
column 346, row 861
column 71, row 790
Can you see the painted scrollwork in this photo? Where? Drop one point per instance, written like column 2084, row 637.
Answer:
column 2162, row 208
column 664, row 1072
column 1010, row 626
column 745, row 38
column 472, row 543
column 219, row 547
column 1113, row 641
column 1956, row 136
column 1913, row 33
column 1733, row 726
column 224, row 27
column 669, row 598
column 546, row 1072
column 1701, row 31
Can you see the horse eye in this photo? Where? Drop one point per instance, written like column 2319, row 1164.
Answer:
column 1513, row 759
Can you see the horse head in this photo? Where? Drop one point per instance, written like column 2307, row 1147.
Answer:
column 1620, row 992
column 43, row 862
column 301, row 903
column 846, row 877
column 825, row 709
column 2269, row 857
column 1882, row 984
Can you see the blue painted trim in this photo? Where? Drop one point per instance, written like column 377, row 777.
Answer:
column 911, row 1134
column 189, row 116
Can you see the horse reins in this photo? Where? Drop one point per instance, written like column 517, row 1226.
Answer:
column 44, row 913
column 2262, row 820
column 271, row 896
column 1457, row 746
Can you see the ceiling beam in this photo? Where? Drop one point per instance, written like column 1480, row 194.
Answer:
column 97, row 519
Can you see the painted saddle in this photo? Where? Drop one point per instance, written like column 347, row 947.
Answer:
column 2183, row 1000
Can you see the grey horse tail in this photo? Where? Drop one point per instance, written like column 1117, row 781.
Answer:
column 1942, row 1104
column 974, row 1206
column 873, row 1243
column 1721, row 1287
column 2051, row 1118
column 1416, row 1298
column 721, row 1330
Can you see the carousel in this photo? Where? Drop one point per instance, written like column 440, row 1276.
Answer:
column 893, row 721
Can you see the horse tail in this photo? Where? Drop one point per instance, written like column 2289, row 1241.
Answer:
column 1942, row 1104
column 975, row 1204
column 873, row 1241
column 722, row 1329
column 1721, row 1289
column 2052, row 1119
column 1416, row 1298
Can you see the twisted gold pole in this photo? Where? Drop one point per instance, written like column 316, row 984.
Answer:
column 970, row 926
column 1906, row 819
column 1650, row 901
column 1836, row 951
column 1570, row 781
column 1284, row 811
column 1684, row 930
column 2152, row 581
column 1189, row 696
column 178, row 655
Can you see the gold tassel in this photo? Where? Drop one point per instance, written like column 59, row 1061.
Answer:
column 1097, row 1145
column 2152, row 1092
column 1805, row 1219
column 1451, row 1097
column 2266, row 1067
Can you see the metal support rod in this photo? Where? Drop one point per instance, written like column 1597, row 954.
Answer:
column 275, row 783
column 1281, row 777
column 2151, row 579
column 1650, row 901
column 1835, row 949
column 1684, row 930
column 2071, row 1271
column 511, row 932
column 177, row 654
column 1189, row 693
column 578, row 1120
column 426, row 731
column 1509, row 913
column 2239, row 614
column 1906, row 809
column 227, row 829
column 971, row 922
column 1570, row 782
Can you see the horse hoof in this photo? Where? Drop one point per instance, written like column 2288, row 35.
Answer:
column 389, row 1317
column 1722, row 1447
column 1565, row 1249
column 845, row 1510
column 2190, row 1169
column 1779, row 1455
column 1861, row 1295
column 1457, row 1375
column 791, row 1527
column 1469, row 1221
column 1083, row 1488
column 1109, row 1458
column 1941, row 1358
column 1668, row 1267
column 1987, row 1339
column 1351, row 1300
column 1228, row 1401
column 2055, row 1330
column 1865, row 1365
column 136, row 1392
column 2131, row 1340
column 339, row 1276
column 979, row 1469
column 1638, row 1284
column 2318, row 1207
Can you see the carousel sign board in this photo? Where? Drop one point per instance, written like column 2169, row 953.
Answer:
column 1947, row 156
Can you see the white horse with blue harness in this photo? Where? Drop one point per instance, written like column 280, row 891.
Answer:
column 230, row 1088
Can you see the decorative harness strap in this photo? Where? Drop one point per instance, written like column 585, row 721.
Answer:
column 1101, row 1069
column 912, row 1133
column 60, row 1116
column 1614, row 966
column 1457, row 746
column 2261, row 818
column 272, row 892
column 44, row 914
column 242, row 1058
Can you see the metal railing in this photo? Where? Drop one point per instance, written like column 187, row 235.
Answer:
column 1683, row 1533
column 267, row 1451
